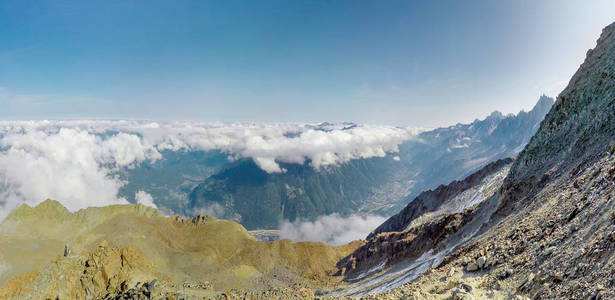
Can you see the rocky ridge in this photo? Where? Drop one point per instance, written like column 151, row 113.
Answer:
column 116, row 250
column 431, row 200
column 552, row 231
column 430, row 228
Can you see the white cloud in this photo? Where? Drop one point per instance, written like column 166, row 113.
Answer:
column 75, row 161
column 332, row 229
column 70, row 165
column 213, row 209
column 145, row 198
column 267, row 144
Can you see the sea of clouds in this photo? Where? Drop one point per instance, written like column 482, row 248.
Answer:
column 76, row 162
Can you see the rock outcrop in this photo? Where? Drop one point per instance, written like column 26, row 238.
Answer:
column 100, row 274
column 431, row 200
column 390, row 248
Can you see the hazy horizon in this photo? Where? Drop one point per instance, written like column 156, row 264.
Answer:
column 398, row 63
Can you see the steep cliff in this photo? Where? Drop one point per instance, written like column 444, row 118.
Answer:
column 551, row 234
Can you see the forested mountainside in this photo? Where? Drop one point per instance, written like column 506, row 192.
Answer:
column 170, row 180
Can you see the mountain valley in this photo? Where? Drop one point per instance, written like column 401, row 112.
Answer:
column 382, row 186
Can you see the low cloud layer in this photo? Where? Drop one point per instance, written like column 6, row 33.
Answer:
column 332, row 229
column 145, row 198
column 75, row 162
column 70, row 165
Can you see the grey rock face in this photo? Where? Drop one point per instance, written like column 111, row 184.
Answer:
column 581, row 123
column 431, row 200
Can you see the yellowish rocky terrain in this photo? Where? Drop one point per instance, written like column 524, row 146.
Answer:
column 122, row 248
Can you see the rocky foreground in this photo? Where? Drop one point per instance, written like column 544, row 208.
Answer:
column 125, row 250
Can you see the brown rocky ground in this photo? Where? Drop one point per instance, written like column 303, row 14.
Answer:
column 560, row 247
column 118, row 249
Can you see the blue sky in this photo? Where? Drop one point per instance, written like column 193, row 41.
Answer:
column 418, row 63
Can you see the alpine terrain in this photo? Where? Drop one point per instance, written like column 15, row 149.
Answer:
column 259, row 200
column 509, row 207
column 545, row 231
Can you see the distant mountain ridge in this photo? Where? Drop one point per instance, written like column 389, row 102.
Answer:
column 259, row 200
column 452, row 153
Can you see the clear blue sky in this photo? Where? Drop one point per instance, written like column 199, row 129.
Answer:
column 420, row 63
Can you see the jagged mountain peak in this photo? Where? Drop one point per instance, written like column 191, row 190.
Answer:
column 496, row 114
column 544, row 102
column 580, row 123
column 539, row 109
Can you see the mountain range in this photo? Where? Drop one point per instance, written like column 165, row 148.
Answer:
column 540, row 225
column 544, row 230
column 260, row 200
